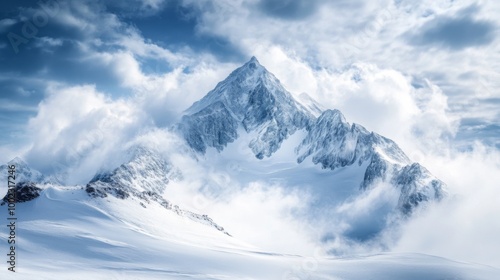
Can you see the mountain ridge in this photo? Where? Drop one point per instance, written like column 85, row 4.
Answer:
column 330, row 141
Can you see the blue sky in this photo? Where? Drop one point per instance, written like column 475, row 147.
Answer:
column 426, row 70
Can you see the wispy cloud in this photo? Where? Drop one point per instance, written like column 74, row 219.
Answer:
column 456, row 33
column 9, row 105
column 6, row 23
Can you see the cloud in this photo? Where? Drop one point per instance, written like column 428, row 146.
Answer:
column 455, row 33
column 84, row 43
column 289, row 9
column 137, row 8
column 472, row 128
column 359, row 224
column 124, row 66
column 6, row 23
column 253, row 24
column 48, row 43
column 372, row 97
column 465, row 226
column 76, row 127
column 264, row 215
column 166, row 96
column 385, row 101
column 111, row 51
column 152, row 4
column 341, row 34
column 9, row 105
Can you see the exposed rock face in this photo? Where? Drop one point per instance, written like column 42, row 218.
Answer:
column 26, row 179
column 24, row 191
column 146, row 171
column 417, row 186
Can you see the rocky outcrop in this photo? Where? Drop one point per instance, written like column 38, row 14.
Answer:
column 24, row 191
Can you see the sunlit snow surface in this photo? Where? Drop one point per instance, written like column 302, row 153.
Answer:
column 66, row 235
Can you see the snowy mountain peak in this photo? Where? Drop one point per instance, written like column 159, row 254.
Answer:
column 23, row 172
column 17, row 161
column 145, row 172
column 253, row 63
column 237, row 90
column 251, row 99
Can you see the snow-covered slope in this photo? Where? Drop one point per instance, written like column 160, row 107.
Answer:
column 84, row 237
column 65, row 234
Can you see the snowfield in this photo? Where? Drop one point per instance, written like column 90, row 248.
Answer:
column 64, row 234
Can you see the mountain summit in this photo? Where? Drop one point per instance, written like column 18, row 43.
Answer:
column 252, row 99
